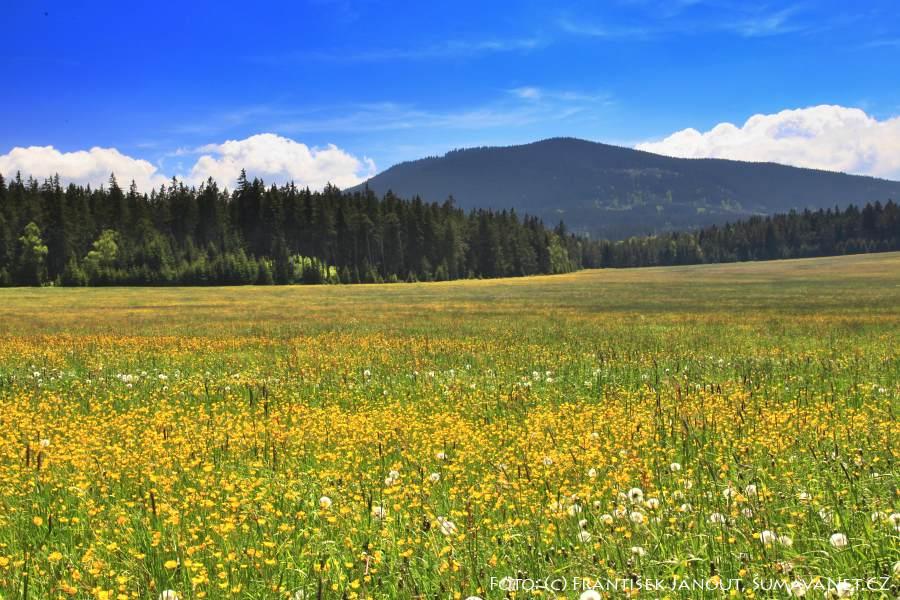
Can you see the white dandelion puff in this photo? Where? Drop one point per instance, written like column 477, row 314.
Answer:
column 843, row 589
column 447, row 526
column 797, row 589
column 636, row 495
column 894, row 519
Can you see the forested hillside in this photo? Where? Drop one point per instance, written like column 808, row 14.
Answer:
column 874, row 228
column 614, row 192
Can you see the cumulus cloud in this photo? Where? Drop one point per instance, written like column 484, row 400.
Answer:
column 84, row 166
column 274, row 158
column 835, row 138
column 281, row 159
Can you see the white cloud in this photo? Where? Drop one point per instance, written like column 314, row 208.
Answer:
column 587, row 29
column 84, row 166
column 274, row 158
column 447, row 49
column 527, row 92
column 835, row 138
column 280, row 159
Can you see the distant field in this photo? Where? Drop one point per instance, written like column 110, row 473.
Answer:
column 854, row 289
column 706, row 423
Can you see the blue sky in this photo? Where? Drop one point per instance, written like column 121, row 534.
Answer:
column 385, row 81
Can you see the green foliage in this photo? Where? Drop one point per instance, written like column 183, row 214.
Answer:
column 559, row 257
column 188, row 236
column 32, row 256
column 313, row 271
column 100, row 260
column 264, row 273
column 875, row 228
column 74, row 275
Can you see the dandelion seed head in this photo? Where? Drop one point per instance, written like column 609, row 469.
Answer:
column 636, row 495
column 797, row 589
column 447, row 526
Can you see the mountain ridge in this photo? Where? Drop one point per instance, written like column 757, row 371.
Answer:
column 615, row 192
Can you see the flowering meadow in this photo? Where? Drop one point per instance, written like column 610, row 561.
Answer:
column 731, row 425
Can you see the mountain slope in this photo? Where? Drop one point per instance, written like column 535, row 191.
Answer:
column 615, row 192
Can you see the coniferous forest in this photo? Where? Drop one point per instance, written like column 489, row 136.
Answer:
column 804, row 234
column 258, row 234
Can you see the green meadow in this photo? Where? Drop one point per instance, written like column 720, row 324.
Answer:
column 728, row 429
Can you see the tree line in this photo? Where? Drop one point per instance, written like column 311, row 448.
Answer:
column 874, row 228
column 259, row 234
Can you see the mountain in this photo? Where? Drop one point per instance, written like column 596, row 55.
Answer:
column 614, row 192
